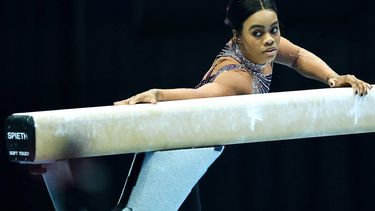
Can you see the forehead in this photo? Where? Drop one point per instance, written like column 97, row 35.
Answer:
column 262, row 17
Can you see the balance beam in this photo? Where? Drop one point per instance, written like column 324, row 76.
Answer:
column 47, row 136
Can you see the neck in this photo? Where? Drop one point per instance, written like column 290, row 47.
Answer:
column 248, row 57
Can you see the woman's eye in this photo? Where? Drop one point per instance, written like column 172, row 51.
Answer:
column 275, row 30
column 257, row 33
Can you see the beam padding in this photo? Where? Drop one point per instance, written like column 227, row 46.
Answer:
column 46, row 136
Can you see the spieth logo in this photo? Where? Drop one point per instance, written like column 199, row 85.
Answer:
column 17, row 136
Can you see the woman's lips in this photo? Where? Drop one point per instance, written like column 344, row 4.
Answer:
column 270, row 52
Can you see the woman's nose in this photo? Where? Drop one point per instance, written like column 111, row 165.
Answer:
column 269, row 40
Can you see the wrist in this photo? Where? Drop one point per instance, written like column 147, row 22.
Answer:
column 158, row 94
column 331, row 76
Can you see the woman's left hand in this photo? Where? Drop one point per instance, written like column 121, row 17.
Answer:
column 359, row 87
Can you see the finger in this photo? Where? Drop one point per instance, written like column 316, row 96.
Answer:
column 368, row 87
column 355, row 87
column 361, row 88
column 122, row 102
column 365, row 85
column 350, row 79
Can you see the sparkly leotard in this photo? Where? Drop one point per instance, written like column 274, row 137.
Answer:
column 261, row 83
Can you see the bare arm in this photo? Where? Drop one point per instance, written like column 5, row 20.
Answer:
column 226, row 84
column 157, row 95
column 311, row 66
column 305, row 62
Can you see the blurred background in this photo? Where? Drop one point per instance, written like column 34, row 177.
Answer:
column 58, row 54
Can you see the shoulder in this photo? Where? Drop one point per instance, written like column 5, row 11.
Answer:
column 288, row 52
column 237, row 79
column 226, row 61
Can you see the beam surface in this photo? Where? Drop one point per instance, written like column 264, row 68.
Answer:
column 46, row 136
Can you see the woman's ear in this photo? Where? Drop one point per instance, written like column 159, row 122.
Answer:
column 236, row 36
column 235, row 33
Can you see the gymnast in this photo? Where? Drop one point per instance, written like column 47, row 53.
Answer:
column 243, row 67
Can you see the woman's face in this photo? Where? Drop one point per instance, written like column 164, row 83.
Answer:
column 260, row 37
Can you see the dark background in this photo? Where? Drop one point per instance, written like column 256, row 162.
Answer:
column 59, row 54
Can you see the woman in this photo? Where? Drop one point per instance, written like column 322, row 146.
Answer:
column 243, row 67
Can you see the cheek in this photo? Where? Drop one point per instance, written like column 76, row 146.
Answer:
column 252, row 44
column 277, row 40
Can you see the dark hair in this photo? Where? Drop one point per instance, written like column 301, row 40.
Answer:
column 239, row 10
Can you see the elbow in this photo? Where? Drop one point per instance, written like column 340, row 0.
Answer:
column 297, row 57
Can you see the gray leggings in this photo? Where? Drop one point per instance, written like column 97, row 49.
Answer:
column 167, row 177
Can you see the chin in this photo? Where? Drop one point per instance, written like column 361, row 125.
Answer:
column 270, row 59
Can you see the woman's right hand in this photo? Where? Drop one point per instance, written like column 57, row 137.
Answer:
column 359, row 87
column 150, row 96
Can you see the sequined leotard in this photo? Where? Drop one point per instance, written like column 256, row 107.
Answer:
column 261, row 83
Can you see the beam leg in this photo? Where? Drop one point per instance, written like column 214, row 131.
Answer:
column 59, row 182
